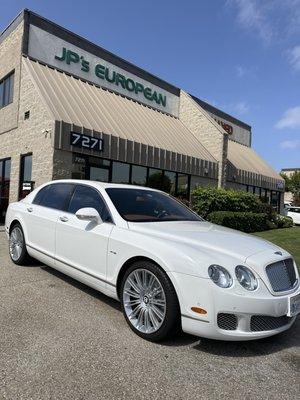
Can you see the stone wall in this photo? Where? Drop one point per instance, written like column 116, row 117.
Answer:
column 207, row 130
column 62, row 164
column 32, row 135
column 10, row 56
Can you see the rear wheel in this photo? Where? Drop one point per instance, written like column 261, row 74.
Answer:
column 17, row 246
column 149, row 302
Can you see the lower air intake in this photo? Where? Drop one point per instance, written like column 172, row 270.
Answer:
column 265, row 323
column 227, row 322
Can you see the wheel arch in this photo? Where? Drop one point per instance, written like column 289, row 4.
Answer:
column 13, row 223
column 127, row 264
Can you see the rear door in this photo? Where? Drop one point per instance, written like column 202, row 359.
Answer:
column 83, row 244
column 42, row 214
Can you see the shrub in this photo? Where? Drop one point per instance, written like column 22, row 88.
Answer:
column 242, row 221
column 283, row 222
column 207, row 200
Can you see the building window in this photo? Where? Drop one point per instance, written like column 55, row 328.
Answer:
column 120, row 172
column 155, row 179
column 4, row 186
column 7, row 90
column 100, row 169
column 256, row 191
column 183, row 186
column 78, row 167
column 170, row 180
column 139, row 175
column 26, row 184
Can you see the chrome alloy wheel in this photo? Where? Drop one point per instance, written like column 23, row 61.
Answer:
column 144, row 301
column 16, row 243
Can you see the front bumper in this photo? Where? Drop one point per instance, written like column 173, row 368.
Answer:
column 236, row 301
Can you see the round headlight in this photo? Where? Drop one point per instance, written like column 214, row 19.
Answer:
column 220, row 276
column 246, row 277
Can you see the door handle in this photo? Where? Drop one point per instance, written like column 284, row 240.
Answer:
column 64, row 219
column 29, row 209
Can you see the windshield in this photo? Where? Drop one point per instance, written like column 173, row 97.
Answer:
column 139, row 205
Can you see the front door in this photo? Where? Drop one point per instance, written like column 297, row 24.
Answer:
column 82, row 245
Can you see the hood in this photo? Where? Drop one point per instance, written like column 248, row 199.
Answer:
column 206, row 236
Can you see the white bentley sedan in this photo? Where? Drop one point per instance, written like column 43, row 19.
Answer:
column 169, row 268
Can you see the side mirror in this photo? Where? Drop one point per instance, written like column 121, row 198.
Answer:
column 89, row 214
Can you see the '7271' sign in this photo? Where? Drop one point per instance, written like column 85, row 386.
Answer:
column 86, row 142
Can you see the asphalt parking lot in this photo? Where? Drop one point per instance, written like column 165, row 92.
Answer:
column 62, row 340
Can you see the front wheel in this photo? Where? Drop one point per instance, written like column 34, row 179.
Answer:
column 149, row 302
column 17, row 246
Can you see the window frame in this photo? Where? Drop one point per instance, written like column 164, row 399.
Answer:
column 93, row 163
column 21, row 175
column 66, row 205
column 6, row 80
column 101, row 197
column 2, row 175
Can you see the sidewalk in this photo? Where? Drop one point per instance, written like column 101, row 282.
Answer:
column 1, row 228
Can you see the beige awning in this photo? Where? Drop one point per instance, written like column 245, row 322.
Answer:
column 246, row 159
column 77, row 102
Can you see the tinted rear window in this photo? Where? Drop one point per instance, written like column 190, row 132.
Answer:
column 55, row 196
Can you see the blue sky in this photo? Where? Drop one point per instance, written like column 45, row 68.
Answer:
column 242, row 56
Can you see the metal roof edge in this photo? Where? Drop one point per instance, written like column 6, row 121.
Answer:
column 220, row 113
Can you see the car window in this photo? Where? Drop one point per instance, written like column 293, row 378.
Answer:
column 294, row 210
column 54, row 196
column 40, row 195
column 149, row 206
column 85, row 196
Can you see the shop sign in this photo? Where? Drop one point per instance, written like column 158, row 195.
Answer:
column 27, row 186
column 110, row 75
column 65, row 56
column 227, row 128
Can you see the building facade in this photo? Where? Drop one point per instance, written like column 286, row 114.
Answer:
column 71, row 109
column 288, row 196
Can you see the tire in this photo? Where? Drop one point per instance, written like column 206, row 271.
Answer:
column 149, row 302
column 17, row 246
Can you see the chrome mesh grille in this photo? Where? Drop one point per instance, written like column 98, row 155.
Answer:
column 260, row 323
column 227, row 321
column 282, row 275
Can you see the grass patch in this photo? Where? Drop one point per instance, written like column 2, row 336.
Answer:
column 288, row 239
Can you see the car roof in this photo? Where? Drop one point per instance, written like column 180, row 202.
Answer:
column 103, row 185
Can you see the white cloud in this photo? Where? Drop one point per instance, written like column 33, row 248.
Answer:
column 290, row 119
column 239, row 108
column 242, row 71
column 290, row 144
column 252, row 17
column 270, row 20
column 294, row 57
